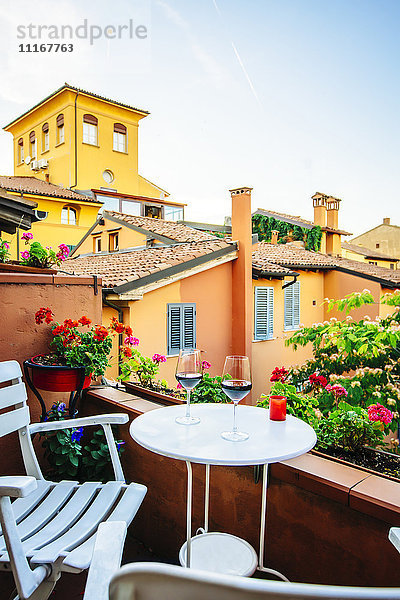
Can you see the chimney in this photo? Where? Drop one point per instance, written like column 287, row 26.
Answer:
column 333, row 205
column 274, row 236
column 386, row 221
column 319, row 203
column 242, row 289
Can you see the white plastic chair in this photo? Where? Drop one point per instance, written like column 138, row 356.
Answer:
column 51, row 527
column 153, row 581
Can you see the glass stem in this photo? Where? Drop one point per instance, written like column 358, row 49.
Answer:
column 188, row 403
column 234, row 417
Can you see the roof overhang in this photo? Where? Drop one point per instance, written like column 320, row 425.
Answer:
column 384, row 282
column 16, row 212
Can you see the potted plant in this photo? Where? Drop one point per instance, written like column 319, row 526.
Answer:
column 79, row 351
column 35, row 259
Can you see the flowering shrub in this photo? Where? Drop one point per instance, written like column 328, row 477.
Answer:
column 4, row 250
column 78, row 344
column 361, row 357
column 142, row 367
column 279, row 374
column 66, row 456
column 377, row 412
column 38, row 256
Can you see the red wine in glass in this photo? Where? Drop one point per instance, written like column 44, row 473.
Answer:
column 189, row 373
column 236, row 383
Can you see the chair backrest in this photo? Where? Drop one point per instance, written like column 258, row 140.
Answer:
column 13, row 395
column 151, row 581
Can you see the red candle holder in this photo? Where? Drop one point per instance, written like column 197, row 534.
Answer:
column 277, row 408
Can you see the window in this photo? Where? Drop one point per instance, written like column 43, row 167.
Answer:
column 45, row 137
column 181, row 327
column 119, row 138
column 292, row 306
column 68, row 216
column 113, row 242
column 20, row 151
column 392, row 266
column 109, row 203
column 60, row 129
column 90, row 130
column 97, row 244
column 108, row 176
column 263, row 313
column 131, row 208
column 32, row 141
column 376, row 245
column 373, row 262
column 173, row 213
column 152, row 211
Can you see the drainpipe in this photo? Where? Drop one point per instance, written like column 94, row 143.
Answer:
column 289, row 283
column 76, row 144
column 120, row 313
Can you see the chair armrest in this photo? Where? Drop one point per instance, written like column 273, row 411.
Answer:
column 106, row 559
column 112, row 419
column 17, row 487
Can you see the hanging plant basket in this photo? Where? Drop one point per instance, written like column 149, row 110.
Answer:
column 55, row 377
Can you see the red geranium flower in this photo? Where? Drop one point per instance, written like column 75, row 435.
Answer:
column 84, row 320
column 70, row 323
column 100, row 333
column 44, row 314
column 279, row 374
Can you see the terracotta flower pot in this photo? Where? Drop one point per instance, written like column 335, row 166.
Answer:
column 56, row 378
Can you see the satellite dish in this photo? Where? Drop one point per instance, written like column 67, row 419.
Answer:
column 27, row 160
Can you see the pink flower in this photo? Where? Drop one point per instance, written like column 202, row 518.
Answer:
column 378, row 412
column 64, row 249
column 6, row 245
column 337, row 390
column 279, row 374
column 158, row 358
column 27, row 236
column 131, row 341
column 25, row 255
column 205, row 364
column 179, row 386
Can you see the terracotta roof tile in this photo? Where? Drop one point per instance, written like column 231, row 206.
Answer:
column 33, row 185
column 169, row 229
column 367, row 252
column 392, row 276
column 121, row 267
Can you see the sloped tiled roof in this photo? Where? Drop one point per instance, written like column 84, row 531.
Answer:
column 382, row 273
column 261, row 262
column 296, row 220
column 128, row 266
column 169, row 229
column 33, row 185
column 367, row 252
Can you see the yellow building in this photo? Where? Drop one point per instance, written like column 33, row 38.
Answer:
column 383, row 238
column 372, row 257
column 80, row 147
column 64, row 215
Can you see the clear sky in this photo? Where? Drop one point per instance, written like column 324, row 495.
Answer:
column 289, row 97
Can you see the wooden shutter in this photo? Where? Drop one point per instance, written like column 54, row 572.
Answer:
column 181, row 327
column 20, row 142
column 32, row 136
column 60, row 120
column 90, row 119
column 119, row 128
column 292, row 306
column 45, row 128
column 189, row 326
column 263, row 313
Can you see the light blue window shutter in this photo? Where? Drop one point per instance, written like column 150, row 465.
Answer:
column 296, row 305
column 263, row 313
column 189, row 326
column 174, row 328
column 288, row 300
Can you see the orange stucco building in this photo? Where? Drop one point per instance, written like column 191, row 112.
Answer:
column 181, row 287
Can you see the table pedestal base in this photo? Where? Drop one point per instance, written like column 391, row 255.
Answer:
column 220, row 553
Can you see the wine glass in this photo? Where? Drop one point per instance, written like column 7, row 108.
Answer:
column 189, row 373
column 236, row 383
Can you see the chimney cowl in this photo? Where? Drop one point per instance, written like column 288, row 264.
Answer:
column 386, row 221
column 240, row 190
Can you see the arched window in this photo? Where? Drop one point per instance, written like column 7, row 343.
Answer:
column 69, row 216
column 45, row 137
column 90, row 130
column 32, row 141
column 119, row 137
column 20, row 151
column 60, row 129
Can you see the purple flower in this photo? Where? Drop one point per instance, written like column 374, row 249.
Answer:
column 119, row 445
column 158, row 358
column 27, row 236
column 25, row 255
column 205, row 364
column 131, row 341
column 77, row 434
column 61, row 407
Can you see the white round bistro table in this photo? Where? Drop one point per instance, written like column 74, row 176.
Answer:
column 268, row 442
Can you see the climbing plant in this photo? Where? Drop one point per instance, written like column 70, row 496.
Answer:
column 264, row 226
